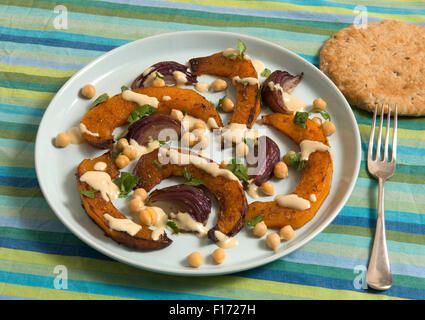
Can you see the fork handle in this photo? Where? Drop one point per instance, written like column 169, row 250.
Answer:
column 379, row 273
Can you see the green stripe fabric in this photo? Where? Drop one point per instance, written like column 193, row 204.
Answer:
column 36, row 60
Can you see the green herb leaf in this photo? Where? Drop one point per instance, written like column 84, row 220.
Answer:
column 186, row 174
column 238, row 169
column 141, row 112
column 194, row 182
column 173, row 226
column 252, row 222
column 189, row 176
column 220, row 104
column 102, row 98
column 124, row 88
column 158, row 75
column 184, row 111
column 295, row 161
column 325, row 115
column 157, row 164
column 164, row 143
column 115, row 154
column 301, row 118
column 241, row 48
column 88, row 193
column 266, row 72
column 126, row 182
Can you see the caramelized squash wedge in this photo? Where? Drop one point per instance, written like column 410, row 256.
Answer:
column 97, row 207
column 316, row 177
column 229, row 193
column 247, row 96
column 105, row 117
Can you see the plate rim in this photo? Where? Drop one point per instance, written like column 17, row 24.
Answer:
column 223, row 269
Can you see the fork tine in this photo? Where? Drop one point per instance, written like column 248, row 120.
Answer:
column 394, row 146
column 378, row 143
column 387, row 134
column 372, row 134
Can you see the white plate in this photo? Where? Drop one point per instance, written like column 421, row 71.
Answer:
column 56, row 167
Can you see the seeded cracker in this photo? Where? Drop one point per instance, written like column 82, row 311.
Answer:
column 384, row 64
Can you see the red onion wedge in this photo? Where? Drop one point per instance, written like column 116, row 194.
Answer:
column 268, row 154
column 165, row 70
column 154, row 127
column 183, row 198
column 271, row 91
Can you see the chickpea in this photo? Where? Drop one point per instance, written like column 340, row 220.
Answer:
column 260, row 229
column 122, row 161
column 199, row 125
column 273, row 241
column 62, row 140
column 319, row 103
column 88, row 91
column 317, row 121
column 219, row 85
column 287, row 157
column 195, row 259
column 203, row 142
column 287, row 233
column 189, row 139
column 122, row 143
column 328, row 128
column 140, row 193
column 135, row 204
column 148, row 216
column 267, row 188
column 241, row 149
column 219, row 255
column 280, row 170
column 130, row 152
column 227, row 105
column 176, row 115
column 158, row 82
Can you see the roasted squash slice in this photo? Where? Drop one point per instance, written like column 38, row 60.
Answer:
column 229, row 193
column 97, row 207
column 316, row 177
column 247, row 96
column 105, row 117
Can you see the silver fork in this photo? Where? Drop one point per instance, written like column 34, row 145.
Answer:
column 379, row 272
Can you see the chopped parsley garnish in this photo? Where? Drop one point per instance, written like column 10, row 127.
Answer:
column 173, row 226
column 266, row 72
column 323, row 113
column 220, row 104
column 252, row 222
column 158, row 75
column 124, row 88
column 184, row 111
column 295, row 161
column 238, row 169
column 157, row 164
column 191, row 181
column 88, row 193
column 241, row 51
column 115, row 154
column 164, row 143
column 301, row 118
column 126, row 182
column 140, row 112
column 102, row 98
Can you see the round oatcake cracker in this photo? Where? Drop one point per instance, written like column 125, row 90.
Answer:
column 382, row 64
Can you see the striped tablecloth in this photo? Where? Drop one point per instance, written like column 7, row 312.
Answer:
column 42, row 44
